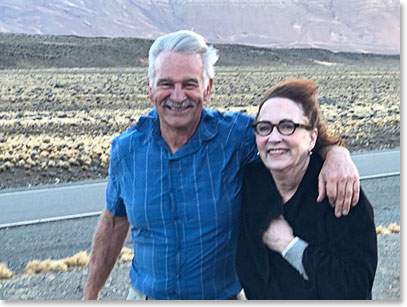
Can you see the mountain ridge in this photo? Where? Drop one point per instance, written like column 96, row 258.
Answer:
column 367, row 26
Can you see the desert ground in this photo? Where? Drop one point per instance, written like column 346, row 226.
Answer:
column 56, row 125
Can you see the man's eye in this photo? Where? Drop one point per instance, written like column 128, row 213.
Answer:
column 190, row 85
column 165, row 85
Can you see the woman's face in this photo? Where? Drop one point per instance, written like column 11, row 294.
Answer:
column 284, row 152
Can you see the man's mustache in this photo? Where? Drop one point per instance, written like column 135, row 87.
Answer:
column 178, row 105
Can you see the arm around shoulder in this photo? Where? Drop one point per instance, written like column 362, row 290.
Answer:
column 339, row 179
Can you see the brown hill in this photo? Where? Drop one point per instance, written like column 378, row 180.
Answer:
column 43, row 51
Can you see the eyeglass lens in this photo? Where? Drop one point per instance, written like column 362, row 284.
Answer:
column 285, row 128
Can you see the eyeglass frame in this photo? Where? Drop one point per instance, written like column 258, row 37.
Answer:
column 296, row 125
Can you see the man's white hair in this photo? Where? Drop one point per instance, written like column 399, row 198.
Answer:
column 184, row 41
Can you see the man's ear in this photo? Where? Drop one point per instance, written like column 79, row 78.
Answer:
column 207, row 93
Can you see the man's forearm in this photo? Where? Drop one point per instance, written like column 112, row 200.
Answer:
column 338, row 179
column 323, row 151
column 107, row 244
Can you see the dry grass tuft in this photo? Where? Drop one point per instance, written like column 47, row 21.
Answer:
column 5, row 272
column 80, row 259
column 126, row 254
column 392, row 228
column 48, row 265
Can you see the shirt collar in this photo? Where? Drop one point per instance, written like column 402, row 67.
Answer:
column 208, row 125
column 207, row 128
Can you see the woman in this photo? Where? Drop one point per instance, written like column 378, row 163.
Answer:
column 290, row 246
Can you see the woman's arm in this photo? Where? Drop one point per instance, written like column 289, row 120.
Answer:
column 345, row 267
column 342, row 268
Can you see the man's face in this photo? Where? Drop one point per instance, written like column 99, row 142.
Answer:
column 178, row 91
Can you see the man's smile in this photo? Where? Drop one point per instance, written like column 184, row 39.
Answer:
column 175, row 106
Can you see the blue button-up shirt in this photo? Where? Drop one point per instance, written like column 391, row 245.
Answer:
column 183, row 208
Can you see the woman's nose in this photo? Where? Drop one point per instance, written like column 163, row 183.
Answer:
column 274, row 136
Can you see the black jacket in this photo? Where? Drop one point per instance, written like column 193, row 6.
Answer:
column 340, row 260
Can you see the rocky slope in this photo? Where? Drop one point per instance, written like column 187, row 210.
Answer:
column 338, row 25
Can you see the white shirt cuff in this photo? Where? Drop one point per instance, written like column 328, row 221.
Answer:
column 293, row 241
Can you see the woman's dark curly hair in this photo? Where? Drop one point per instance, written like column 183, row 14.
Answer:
column 303, row 92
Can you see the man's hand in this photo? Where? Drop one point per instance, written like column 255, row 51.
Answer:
column 278, row 234
column 339, row 180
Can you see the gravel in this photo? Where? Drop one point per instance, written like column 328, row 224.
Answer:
column 64, row 285
column 69, row 285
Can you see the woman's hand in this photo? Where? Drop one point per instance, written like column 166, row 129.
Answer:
column 278, row 234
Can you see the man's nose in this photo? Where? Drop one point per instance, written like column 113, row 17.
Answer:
column 178, row 93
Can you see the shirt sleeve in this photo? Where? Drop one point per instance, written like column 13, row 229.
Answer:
column 293, row 254
column 114, row 202
column 248, row 147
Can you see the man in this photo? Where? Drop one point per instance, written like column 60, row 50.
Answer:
column 175, row 179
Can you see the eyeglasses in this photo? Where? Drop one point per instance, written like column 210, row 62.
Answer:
column 285, row 127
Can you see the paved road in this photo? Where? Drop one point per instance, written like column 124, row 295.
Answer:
column 80, row 199
column 42, row 204
column 377, row 163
